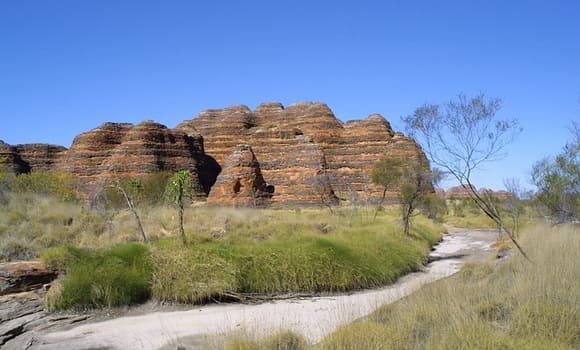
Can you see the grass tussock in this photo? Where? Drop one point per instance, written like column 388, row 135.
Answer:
column 110, row 277
column 520, row 305
column 280, row 341
column 272, row 252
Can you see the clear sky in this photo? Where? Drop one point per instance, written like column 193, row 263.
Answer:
column 68, row 66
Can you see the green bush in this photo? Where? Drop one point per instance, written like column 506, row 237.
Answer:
column 119, row 275
column 145, row 190
column 60, row 185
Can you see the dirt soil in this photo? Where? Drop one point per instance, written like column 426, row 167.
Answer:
column 154, row 326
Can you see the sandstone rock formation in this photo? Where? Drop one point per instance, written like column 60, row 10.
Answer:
column 11, row 159
column 24, row 158
column 241, row 181
column 303, row 151
column 115, row 151
column 461, row 192
column 304, row 146
column 40, row 156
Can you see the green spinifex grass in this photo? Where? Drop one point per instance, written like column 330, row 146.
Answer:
column 116, row 276
column 519, row 305
column 361, row 256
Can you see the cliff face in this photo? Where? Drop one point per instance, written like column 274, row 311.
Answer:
column 301, row 154
column 304, row 151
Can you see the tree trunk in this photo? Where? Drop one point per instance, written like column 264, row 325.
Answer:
column 181, row 230
column 380, row 203
column 490, row 210
column 407, row 219
column 134, row 211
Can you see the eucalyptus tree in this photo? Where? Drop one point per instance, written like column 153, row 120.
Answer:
column 460, row 136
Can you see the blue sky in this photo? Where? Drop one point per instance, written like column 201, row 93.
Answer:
column 68, row 66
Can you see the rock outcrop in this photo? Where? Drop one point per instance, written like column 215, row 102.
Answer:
column 39, row 156
column 462, row 192
column 115, row 151
column 241, row 181
column 11, row 159
column 23, row 276
column 28, row 157
column 304, row 151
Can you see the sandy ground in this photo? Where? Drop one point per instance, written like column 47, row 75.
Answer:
column 312, row 317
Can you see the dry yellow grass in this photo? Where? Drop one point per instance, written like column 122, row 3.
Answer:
column 519, row 305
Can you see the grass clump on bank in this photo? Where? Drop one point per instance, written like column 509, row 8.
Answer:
column 519, row 305
column 119, row 275
column 286, row 252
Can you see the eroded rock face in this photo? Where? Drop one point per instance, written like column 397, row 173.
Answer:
column 304, row 151
column 40, row 156
column 241, row 181
column 116, row 151
column 30, row 157
column 11, row 159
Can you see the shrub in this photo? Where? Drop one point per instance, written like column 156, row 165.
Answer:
column 434, row 207
column 60, row 185
column 286, row 341
column 116, row 276
column 280, row 341
column 145, row 190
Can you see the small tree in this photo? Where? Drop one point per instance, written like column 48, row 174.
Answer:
column 558, row 180
column 386, row 173
column 414, row 187
column 179, row 189
column 462, row 135
column 5, row 181
column 323, row 186
column 513, row 206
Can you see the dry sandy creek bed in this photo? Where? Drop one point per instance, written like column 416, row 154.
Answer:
column 153, row 326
